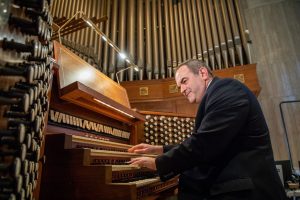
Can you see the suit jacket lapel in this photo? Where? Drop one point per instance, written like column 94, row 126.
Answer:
column 201, row 108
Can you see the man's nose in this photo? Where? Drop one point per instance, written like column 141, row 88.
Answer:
column 182, row 89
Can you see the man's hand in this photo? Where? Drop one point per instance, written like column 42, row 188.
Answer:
column 144, row 162
column 146, row 149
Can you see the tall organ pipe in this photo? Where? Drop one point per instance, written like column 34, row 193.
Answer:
column 234, row 26
column 221, row 32
column 182, row 33
column 113, row 37
column 155, row 40
column 168, row 38
column 214, row 32
column 186, row 29
column 208, row 35
column 131, row 35
column 140, row 38
column 197, row 29
column 99, row 42
column 177, row 33
column 161, row 41
column 228, row 31
column 243, row 29
column 173, row 44
column 191, row 30
column 122, row 36
column 202, row 29
column 105, row 46
column 92, row 34
column 148, row 40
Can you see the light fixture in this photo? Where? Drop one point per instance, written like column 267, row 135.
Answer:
column 136, row 68
column 123, row 56
column 104, row 38
column 107, row 105
column 117, row 49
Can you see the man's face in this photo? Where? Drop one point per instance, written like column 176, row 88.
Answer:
column 192, row 86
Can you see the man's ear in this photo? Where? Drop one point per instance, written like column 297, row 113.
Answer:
column 203, row 73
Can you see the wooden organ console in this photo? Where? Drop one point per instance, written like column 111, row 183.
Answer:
column 90, row 128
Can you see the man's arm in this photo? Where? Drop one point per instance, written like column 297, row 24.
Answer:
column 226, row 112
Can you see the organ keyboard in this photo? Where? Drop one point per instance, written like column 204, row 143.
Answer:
column 90, row 128
column 115, row 178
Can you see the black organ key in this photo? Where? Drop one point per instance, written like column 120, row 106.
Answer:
column 10, row 196
column 11, row 184
column 34, row 126
column 30, row 91
column 17, row 132
column 27, row 72
column 25, row 115
column 19, row 151
column 26, row 180
column 37, row 88
column 13, row 168
column 21, row 101
column 25, row 166
column 34, row 47
column 32, row 13
column 28, row 141
column 34, row 27
column 35, row 156
column 34, row 145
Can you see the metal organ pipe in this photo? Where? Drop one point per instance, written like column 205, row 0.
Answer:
column 234, row 26
column 197, row 29
column 105, row 45
column 155, row 51
column 113, row 37
column 140, row 38
column 182, row 32
column 173, row 44
column 244, row 30
column 191, row 30
column 208, row 35
column 178, row 36
column 148, row 40
column 122, row 35
column 186, row 29
column 161, row 40
column 131, row 35
column 168, row 38
column 157, row 35
column 214, row 32
column 202, row 30
column 221, row 32
column 99, row 42
column 228, row 31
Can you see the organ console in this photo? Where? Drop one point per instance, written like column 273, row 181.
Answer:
column 90, row 128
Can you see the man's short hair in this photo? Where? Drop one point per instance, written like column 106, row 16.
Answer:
column 194, row 65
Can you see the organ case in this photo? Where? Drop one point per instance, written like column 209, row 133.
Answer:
column 90, row 128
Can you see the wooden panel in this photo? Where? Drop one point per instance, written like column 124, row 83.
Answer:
column 72, row 69
column 163, row 95
column 163, row 89
column 86, row 97
column 246, row 74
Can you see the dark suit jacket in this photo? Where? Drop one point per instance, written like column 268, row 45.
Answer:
column 229, row 154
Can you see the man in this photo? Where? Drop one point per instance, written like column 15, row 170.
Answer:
column 229, row 154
